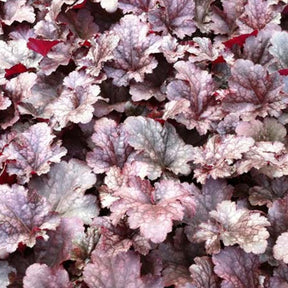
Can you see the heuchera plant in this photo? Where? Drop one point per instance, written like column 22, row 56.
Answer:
column 143, row 143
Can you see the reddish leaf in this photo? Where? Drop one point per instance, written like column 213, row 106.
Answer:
column 41, row 46
column 14, row 70
column 283, row 72
column 239, row 40
column 6, row 178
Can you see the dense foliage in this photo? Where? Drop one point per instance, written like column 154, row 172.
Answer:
column 143, row 143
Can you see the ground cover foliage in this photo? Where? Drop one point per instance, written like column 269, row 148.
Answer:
column 143, row 143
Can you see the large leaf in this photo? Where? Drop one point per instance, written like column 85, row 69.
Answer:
column 253, row 91
column 192, row 101
column 120, row 271
column 237, row 268
column 111, row 146
column 23, row 216
column 40, row 275
column 159, row 148
column 173, row 16
column 236, row 226
column 76, row 101
column 64, row 187
column 216, row 158
column 132, row 59
column 151, row 210
column 33, row 151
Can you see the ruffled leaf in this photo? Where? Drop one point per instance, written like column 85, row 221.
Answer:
column 151, row 210
column 40, row 275
column 33, row 151
column 237, row 226
column 202, row 273
column 17, row 10
column 216, row 158
column 192, row 101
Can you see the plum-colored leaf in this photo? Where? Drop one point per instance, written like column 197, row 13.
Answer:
column 280, row 277
column 278, row 216
column 266, row 190
column 158, row 147
column 257, row 14
column 80, row 22
column 120, row 271
column 151, row 209
column 5, row 271
column 118, row 238
column 59, row 247
column 41, row 46
column 237, row 226
column 175, row 257
column 253, row 91
column 113, row 239
column 23, row 217
column 213, row 192
column 40, row 275
column 64, row 187
column 173, row 16
column 101, row 51
column 132, row 56
column 237, row 268
column 192, row 101
column 216, row 158
column 17, row 10
column 111, row 144
column 202, row 273
column 32, row 152
column 76, row 101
